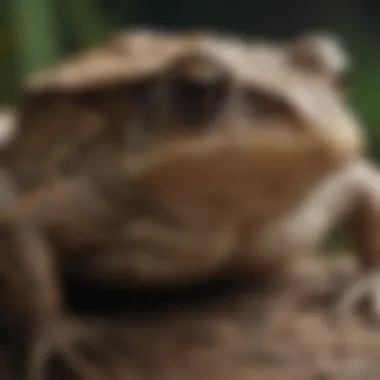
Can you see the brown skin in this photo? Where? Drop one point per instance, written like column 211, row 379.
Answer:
column 196, row 204
column 112, row 96
column 177, row 189
column 181, row 204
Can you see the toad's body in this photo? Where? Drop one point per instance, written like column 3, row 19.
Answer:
column 233, row 158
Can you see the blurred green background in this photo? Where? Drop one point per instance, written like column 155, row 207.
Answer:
column 35, row 34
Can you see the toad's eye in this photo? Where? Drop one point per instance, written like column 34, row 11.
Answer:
column 197, row 101
column 197, row 89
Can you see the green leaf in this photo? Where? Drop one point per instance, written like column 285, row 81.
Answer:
column 37, row 34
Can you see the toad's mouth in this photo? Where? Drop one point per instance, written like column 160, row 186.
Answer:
column 246, row 175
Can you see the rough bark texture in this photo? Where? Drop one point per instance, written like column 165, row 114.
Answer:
column 254, row 332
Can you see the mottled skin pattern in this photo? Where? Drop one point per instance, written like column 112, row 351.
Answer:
column 252, row 170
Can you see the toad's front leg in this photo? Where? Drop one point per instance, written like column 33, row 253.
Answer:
column 37, row 234
column 29, row 293
column 351, row 194
column 365, row 228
